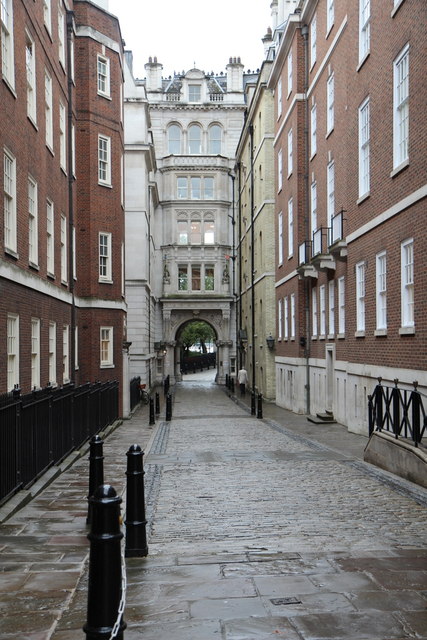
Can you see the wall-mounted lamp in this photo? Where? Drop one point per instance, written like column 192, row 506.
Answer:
column 270, row 342
column 126, row 346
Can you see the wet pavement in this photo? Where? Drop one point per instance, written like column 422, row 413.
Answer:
column 257, row 528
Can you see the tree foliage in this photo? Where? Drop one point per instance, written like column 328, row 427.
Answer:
column 194, row 333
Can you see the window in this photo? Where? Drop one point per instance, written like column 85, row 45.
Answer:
column 401, row 108
column 47, row 14
column 195, row 277
column 182, row 278
column 331, row 306
column 290, row 72
column 48, row 109
column 65, row 353
column 52, row 353
column 182, row 188
column 7, row 55
column 279, row 98
column 364, row 148
column 381, row 297
column 330, row 187
column 208, row 188
column 407, row 283
column 103, row 66
column 182, row 232
column 313, row 40
column 290, row 227
column 61, row 34
column 314, row 312
column 322, row 309
column 360, row 296
column 313, row 207
column 73, row 149
column 106, row 346
column 293, row 317
column 364, row 28
column 194, row 92
column 286, row 317
column 76, row 346
column 35, row 353
column 196, row 188
column 33, row 233
column 12, row 351
column 62, row 137
column 9, row 175
column 105, row 261
column 313, row 136
column 290, row 153
column 194, row 139
column 280, row 318
column 209, row 232
column 104, row 160
column 330, row 15
column 50, row 238
column 215, row 138
column 64, row 269
column 209, row 278
column 330, row 100
column 174, row 139
column 31, row 77
column 195, row 232
column 279, row 170
column 341, row 305
column 280, row 236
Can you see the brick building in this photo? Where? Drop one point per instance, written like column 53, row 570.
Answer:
column 349, row 150
column 62, row 310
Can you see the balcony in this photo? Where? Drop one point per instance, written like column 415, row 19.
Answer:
column 338, row 245
column 321, row 258
column 305, row 268
column 328, row 244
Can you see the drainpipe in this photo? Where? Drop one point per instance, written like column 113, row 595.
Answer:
column 239, row 292
column 307, row 287
column 233, row 253
column 148, row 217
column 71, row 248
column 251, row 134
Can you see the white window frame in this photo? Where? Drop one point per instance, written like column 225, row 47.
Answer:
column 322, row 310
column 280, row 236
column 279, row 170
column 279, row 98
column 103, row 76
column 64, row 256
column 330, row 15
column 195, row 188
column 76, row 346
column 286, row 317
column 290, row 73
column 401, row 108
column 364, row 29
column 331, row 308
column 313, row 206
column 182, row 188
column 105, row 257
column 381, row 290
column 9, row 201
column 290, row 153
column 35, row 353
column 313, row 130
column 12, row 351
column 194, row 143
column 364, row 148
column 52, row 353
column 61, row 34
column 313, row 41
column 407, row 284
column 50, row 237
column 215, row 139
column 65, row 353
column 47, row 15
column 341, row 306
column 360, row 296
column 314, row 316
column 48, row 102
column 280, row 318
column 330, row 103
column 33, row 223
column 194, row 92
column 62, row 136
column 174, row 143
column 73, row 149
column 104, row 160
column 290, row 228
column 30, row 58
column 330, row 191
column 106, row 351
column 293, row 316
column 7, row 44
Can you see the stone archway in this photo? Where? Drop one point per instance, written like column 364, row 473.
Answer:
column 197, row 342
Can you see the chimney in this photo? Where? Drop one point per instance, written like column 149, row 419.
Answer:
column 153, row 71
column 234, row 75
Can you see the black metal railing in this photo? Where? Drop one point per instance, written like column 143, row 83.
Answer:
column 135, row 391
column 400, row 412
column 39, row 429
column 198, row 363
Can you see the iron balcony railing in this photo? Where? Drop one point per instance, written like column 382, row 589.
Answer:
column 336, row 231
column 304, row 252
column 400, row 412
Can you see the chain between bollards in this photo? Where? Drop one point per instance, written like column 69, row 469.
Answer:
column 152, row 417
column 96, row 470
column 157, row 403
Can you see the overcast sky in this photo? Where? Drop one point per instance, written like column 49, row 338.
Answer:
column 187, row 33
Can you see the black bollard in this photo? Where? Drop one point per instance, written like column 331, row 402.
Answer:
column 152, row 419
column 259, row 407
column 232, row 385
column 168, row 407
column 136, row 537
column 105, row 567
column 253, row 404
column 96, row 470
column 157, row 403
column 227, row 383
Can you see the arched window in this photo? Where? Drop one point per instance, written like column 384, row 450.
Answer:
column 194, row 139
column 174, row 139
column 215, row 134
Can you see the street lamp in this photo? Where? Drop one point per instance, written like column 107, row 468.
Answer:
column 270, row 342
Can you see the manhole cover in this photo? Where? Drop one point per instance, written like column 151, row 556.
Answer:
column 291, row 600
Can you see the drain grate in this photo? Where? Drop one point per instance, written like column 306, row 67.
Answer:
column 291, row 600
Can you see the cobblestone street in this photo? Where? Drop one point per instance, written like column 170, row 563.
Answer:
column 256, row 529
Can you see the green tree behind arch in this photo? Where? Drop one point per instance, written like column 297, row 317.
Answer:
column 195, row 332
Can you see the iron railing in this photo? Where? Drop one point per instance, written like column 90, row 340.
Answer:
column 400, row 412
column 39, row 429
column 198, row 363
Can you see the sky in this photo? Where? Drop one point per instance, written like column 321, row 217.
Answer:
column 184, row 34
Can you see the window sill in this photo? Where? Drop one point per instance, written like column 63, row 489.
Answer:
column 50, row 275
column 329, row 31
column 11, row 253
column 379, row 333
column 104, row 95
column 313, row 155
column 290, row 175
column 340, row 336
column 328, row 133
column 399, row 168
column 64, row 283
column 363, row 198
column 49, row 148
column 407, row 331
column 322, row 337
column 107, row 366
column 396, row 8
column 359, row 334
column 10, row 87
column 105, row 281
column 108, row 185
column 313, row 338
column 363, row 60
column 34, row 266
column 33, row 122
column 331, row 336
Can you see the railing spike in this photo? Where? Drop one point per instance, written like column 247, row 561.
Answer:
column 415, row 383
column 396, row 381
